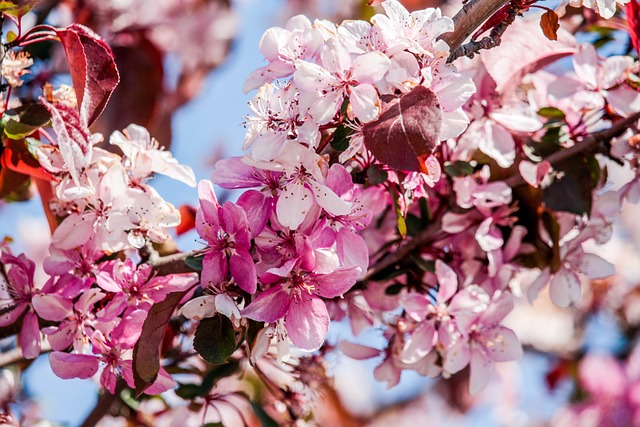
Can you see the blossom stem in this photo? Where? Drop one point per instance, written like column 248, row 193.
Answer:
column 105, row 402
column 589, row 145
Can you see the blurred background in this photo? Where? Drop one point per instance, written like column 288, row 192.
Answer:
column 189, row 95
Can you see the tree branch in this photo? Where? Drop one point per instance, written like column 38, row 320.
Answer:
column 173, row 264
column 492, row 40
column 470, row 17
column 590, row 145
column 15, row 355
column 403, row 251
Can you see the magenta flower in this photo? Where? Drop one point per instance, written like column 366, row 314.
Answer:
column 295, row 296
column 15, row 299
column 114, row 353
column 226, row 230
column 136, row 288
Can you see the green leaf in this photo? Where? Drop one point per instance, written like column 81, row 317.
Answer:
column 551, row 113
column 572, row 191
column 341, row 136
column 25, row 120
column 194, row 262
column 414, row 224
column 215, row 339
column 191, row 391
column 213, row 425
column 400, row 221
column 376, row 175
column 265, row 419
column 424, row 265
column 17, row 8
column 458, row 168
column 394, row 289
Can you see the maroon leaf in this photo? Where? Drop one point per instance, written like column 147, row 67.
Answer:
column 408, row 127
column 633, row 21
column 138, row 97
column 146, row 353
column 73, row 137
column 93, row 69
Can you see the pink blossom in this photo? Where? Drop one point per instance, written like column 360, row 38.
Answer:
column 226, row 230
column 324, row 87
column 16, row 298
column 484, row 341
column 295, row 296
column 144, row 156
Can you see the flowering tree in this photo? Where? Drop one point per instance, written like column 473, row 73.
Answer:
column 427, row 176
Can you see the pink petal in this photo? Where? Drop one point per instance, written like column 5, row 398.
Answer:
column 208, row 202
column 501, row 344
column 534, row 173
column 337, row 283
column 30, row 336
column 370, row 67
column 293, row 205
column 52, row 307
column 269, row 306
column 243, row 270
column 67, row 366
column 457, row 357
column 127, row 332
column 365, row 103
column 595, row 267
column 214, row 268
column 307, row 323
column 329, row 200
column 585, row 64
column 447, row 281
column 74, row 231
column 564, row 288
column 419, row 344
column 258, row 208
column 358, row 351
column 481, row 370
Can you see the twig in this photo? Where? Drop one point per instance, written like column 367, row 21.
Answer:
column 104, row 405
column 589, row 145
column 172, row 264
column 470, row 17
column 15, row 355
column 405, row 250
column 492, row 40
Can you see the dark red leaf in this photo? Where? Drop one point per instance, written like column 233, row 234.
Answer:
column 73, row 137
column 408, row 128
column 146, row 353
column 187, row 219
column 137, row 97
column 17, row 157
column 93, row 69
column 633, row 21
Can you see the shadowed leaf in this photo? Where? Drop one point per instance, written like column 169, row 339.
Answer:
column 146, row 353
column 215, row 339
column 408, row 127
